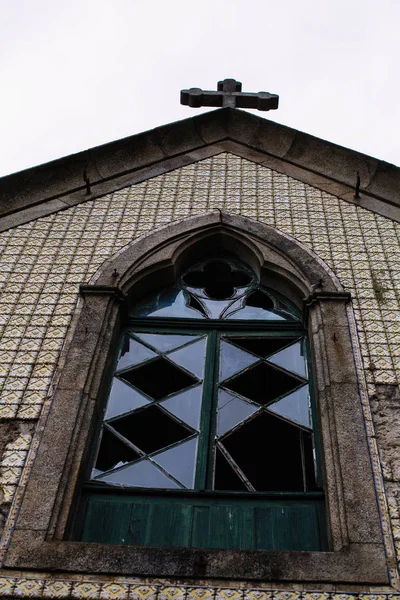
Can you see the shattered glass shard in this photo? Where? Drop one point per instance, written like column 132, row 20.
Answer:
column 291, row 358
column 295, row 407
column 191, row 357
column 113, row 451
column 180, row 461
column 143, row 473
column 231, row 411
column 163, row 342
column 263, row 383
column 133, row 353
column 186, row 406
column 123, row 398
column 232, row 360
column 170, row 303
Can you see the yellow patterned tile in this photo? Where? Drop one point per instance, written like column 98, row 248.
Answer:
column 111, row 591
column 6, row 586
column 228, row 594
column 171, row 593
column 13, row 458
column 287, row 595
column 28, row 588
column 85, row 590
column 8, row 493
column 29, row 412
column 143, row 592
column 8, row 411
column 10, row 476
column 257, row 595
column 200, row 593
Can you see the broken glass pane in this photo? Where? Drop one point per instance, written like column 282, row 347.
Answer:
column 163, row 342
column 144, row 473
column 151, row 429
column 123, row 399
column 295, row 407
column 113, row 453
column 171, row 303
column 263, row 383
column 231, row 411
column 186, row 406
column 268, row 452
column 191, row 357
column 262, row 346
column 225, row 476
column 291, row 358
column 133, row 353
column 180, row 461
column 232, row 360
column 158, row 378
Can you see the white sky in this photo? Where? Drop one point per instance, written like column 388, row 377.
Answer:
column 79, row 73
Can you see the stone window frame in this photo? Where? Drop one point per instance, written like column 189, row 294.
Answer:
column 357, row 553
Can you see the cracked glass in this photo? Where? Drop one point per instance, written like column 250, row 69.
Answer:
column 210, row 409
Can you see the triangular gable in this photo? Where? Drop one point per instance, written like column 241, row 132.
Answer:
column 59, row 184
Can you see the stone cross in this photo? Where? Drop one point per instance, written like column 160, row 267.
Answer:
column 229, row 94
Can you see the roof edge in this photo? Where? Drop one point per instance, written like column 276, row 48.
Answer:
column 60, row 183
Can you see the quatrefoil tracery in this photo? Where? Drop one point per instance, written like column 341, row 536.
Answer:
column 218, row 280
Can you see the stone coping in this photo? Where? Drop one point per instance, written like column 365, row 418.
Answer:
column 59, row 184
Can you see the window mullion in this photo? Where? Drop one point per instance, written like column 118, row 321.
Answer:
column 205, row 451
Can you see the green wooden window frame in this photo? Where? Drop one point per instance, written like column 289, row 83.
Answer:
column 285, row 519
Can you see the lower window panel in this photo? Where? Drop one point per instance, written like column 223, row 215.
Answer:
column 206, row 521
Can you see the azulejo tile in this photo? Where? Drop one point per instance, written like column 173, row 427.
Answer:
column 257, row 595
column 13, row 458
column 114, row 591
column 10, row 476
column 57, row 589
column 143, row 592
column 200, row 593
column 287, row 595
column 171, row 593
column 6, row 586
column 316, row 596
column 86, row 589
column 8, row 411
column 28, row 588
column 229, row 594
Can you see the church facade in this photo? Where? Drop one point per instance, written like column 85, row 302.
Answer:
column 200, row 367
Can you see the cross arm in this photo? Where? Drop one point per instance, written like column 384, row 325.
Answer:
column 196, row 97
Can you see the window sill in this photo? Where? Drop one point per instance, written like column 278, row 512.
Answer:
column 356, row 564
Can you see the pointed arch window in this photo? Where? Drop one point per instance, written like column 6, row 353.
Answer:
column 207, row 438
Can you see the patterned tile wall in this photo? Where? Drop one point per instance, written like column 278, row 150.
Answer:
column 43, row 263
column 120, row 589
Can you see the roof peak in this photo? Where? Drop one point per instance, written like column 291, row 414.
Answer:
column 60, row 183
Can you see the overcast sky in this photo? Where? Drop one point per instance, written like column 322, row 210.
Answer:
column 79, row 73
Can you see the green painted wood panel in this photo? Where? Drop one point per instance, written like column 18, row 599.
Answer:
column 213, row 522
